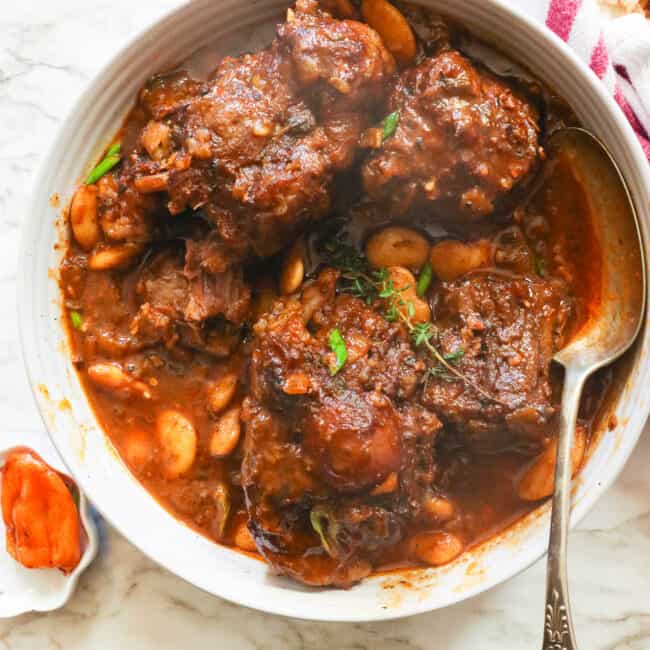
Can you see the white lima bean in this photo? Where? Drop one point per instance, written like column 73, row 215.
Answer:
column 226, row 434
column 397, row 246
column 439, row 508
column 393, row 28
column 137, row 449
column 451, row 259
column 293, row 269
column 113, row 257
column 435, row 548
column 113, row 377
column 178, row 442
column 83, row 217
column 221, row 392
column 538, row 480
column 404, row 284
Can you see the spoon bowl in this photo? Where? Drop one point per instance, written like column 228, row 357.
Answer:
column 618, row 318
column 611, row 329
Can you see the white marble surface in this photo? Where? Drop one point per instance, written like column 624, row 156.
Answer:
column 49, row 49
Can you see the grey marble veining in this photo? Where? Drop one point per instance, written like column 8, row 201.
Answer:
column 48, row 51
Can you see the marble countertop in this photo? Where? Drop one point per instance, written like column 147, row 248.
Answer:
column 49, row 50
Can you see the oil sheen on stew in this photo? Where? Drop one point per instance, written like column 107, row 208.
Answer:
column 314, row 295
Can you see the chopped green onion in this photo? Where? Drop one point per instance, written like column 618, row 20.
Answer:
column 76, row 319
column 109, row 161
column 540, row 266
column 114, row 149
column 317, row 519
column 389, row 125
column 424, row 280
column 337, row 345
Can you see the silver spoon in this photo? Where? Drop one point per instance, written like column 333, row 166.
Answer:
column 607, row 335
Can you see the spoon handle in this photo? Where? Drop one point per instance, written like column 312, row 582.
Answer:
column 558, row 626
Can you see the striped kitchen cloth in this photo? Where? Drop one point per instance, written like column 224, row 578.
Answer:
column 616, row 49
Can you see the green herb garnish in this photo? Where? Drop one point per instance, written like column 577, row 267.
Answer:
column 441, row 372
column 424, row 280
column 337, row 345
column 358, row 279
column 114, row 149
column 540, row 266
column 76, row 319
column 109, row 161
column 389, row 125
column 455, row 357
column 421, row 333
column 426, row 335
column 343, row 256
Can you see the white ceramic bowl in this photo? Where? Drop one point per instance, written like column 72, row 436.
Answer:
column 90, row 456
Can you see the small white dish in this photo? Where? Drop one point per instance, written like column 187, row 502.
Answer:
column 96, row 465
column 39, row 590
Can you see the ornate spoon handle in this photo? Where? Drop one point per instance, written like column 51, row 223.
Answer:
column 558, row 626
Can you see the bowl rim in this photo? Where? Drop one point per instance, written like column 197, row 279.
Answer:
column 517, row 18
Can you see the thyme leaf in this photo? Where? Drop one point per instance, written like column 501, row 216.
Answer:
column 454, row 357
column 421, row 333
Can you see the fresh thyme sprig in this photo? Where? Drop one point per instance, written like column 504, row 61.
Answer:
column 424, row 335
column 357, row 276
column 360, row 280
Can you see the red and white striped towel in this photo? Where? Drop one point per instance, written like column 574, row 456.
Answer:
column 617, row 50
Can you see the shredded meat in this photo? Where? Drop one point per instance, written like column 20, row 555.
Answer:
column 464, row 139
column 186, row 291
column 504, row 331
